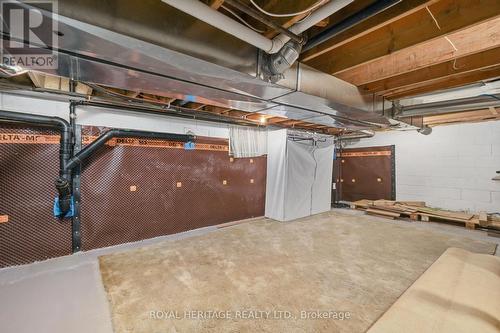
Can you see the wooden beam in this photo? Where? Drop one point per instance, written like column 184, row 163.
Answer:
column 457, row 117
column 57, row 83
column 215, row 4
column 275, row 120
column 475, row 39
column 286, row 6
column 193, row 106
column 291, row 122
column 392, row 14
column 216, row 109
column 414, row 29
column 477, row 61
column 444, row 83
column 287, row 24
column 323, row 23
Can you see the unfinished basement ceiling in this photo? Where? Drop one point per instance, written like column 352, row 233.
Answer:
column 354, row 61
column 414, row 47
column 217, row 73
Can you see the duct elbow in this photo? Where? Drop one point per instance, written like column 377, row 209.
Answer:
column 277, row 44
column 276, row 64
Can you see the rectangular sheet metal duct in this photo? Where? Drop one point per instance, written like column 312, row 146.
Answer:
column 90, row 53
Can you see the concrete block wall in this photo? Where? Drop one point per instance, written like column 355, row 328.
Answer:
column 450, row 168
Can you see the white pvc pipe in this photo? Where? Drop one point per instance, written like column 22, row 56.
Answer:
column 317, row 16
column 216, row 19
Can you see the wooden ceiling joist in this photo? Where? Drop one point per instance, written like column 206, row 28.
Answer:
column 473, row 62
column 459, row 117
column 215, row 4
column 418, row 27
column 193, row 105
column 469, row 41
column 444, row 83
column 277, row 6
column 392, row 14
column 275, row 120
column 216, row 109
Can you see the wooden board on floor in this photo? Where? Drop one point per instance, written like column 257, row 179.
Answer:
column 416, row 210
column 458, row 216
column 459, row 293
column 384, row 213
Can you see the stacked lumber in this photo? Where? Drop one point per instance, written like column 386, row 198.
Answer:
column 417, row 210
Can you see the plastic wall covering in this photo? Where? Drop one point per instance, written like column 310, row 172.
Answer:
column 129, row 193
column 300, row 176
column 174, row 190
column 247, row 141
column 27, row 192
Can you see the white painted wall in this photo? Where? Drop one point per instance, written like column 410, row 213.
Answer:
column 112, row 118
column 450, row 168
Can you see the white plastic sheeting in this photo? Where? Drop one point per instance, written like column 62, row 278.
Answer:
column 299, row 176
column 247, row 141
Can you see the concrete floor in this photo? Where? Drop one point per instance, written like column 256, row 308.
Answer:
column 67, row 294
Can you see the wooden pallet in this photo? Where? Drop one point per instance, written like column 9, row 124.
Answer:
column 417, row 211
column 469, row 224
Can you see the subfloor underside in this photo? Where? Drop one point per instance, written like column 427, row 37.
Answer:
column 259, row 276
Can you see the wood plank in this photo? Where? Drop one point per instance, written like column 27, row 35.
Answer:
column 459, row 293
column 458, row 117
column 414, row 29
column 216, row 109
column 478, row 38
column 363, row 203
column 369, row 25
column 215, row 4
column 277, row 6
column 483, row 219
column 471, row 224
column 382, row 216
column 413, row 203
column 193, row 105
column 477, row 61
column 382, row 212
column 445, row 213
column 445, row 83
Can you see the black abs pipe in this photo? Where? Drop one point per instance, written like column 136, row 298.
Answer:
column 121, row 133
column 66, row 162
column 63, row 185
column 349, row 22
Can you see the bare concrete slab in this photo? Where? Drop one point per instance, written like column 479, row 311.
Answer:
column 328, row 273
column 67, row 300
column 66, row 294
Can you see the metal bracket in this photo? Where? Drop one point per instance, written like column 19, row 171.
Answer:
column 75, row 221
column 393, row 172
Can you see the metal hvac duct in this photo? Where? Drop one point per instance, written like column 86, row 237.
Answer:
column 103, row 51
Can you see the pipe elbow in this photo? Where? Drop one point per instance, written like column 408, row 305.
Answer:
column 63, row 187
column 277, row 44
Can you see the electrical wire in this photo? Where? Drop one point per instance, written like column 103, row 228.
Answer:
column 242, row 20
column 319, row 3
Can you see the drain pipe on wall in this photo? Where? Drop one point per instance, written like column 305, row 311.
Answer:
column 63, row 184
column 66, row 162
column 89, row 150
